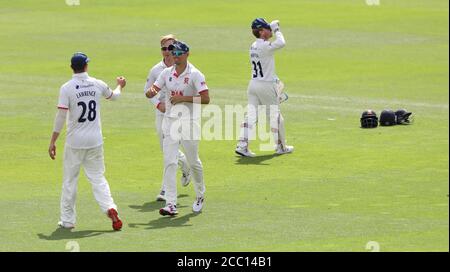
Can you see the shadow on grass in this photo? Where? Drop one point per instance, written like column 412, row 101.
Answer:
column 167, row 222
column 62, row 234
column 153, row 206
column 258, row 160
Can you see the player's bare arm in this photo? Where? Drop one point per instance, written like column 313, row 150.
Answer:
column 59, row 124
column 204, row 98
column 152, row 91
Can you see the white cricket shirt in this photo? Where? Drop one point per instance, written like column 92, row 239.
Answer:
column 151, row 78
column 81, row 96
column 190, row 83
column 262, row 57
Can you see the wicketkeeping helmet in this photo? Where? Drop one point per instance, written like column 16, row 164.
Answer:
column 388, row 118
column 369, row 119
column 260, row 23
column 403, row 117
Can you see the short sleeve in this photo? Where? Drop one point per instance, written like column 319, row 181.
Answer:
column 151, row 78
column 106, row 91
column 63, row 100
column 200, row 83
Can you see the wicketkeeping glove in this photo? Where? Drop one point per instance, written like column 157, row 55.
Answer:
column 275, row 25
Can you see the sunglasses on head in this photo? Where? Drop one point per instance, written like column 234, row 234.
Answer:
column 177, row 53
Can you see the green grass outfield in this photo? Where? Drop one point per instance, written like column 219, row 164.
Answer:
column 343, row 186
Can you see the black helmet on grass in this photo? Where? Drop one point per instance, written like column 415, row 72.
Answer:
column 388, row 118
column 403, row 117
column 369, row 119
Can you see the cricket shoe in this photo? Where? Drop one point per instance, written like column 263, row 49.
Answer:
column 198, row 204
column 169, row 209
column 116, row 222
column 161, row 196
column 65, row 225
column 186, row 178
column 244, row 151
column 284, row 149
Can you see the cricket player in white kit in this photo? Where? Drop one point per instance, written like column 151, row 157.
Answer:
column 159, row 103
column 80, row 98
column 263, row 87
column 184, row 85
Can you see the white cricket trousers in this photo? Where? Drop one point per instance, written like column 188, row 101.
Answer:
column 92, row 162
column 182, row 163
column 171, row 144
column 263, row 93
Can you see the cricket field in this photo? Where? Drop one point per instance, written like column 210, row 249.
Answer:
column 343, row 189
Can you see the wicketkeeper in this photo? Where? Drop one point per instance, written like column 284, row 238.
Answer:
column 264, row 87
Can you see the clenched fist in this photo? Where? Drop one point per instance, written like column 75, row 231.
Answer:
column 121, row 81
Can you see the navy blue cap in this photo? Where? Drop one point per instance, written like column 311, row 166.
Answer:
column 79, row 60
column 179, row 46
column 260, row 23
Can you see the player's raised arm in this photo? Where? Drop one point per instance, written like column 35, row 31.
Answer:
column 114, row 94
column 279, row 38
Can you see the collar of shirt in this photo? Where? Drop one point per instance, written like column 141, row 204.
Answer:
column 185, row 72
column 81, row 75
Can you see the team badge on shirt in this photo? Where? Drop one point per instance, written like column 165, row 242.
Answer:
column 186, row 80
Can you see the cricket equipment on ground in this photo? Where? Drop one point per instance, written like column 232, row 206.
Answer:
column 275, row 25
column 244, row 151
column 94, row 168
column 161, row 196
column 169, row 209
column 82, row 94
column 114, row 216
column 262, row 58
column 284, row 149
column 65, row 225
column 403, row 116
column 369, row 119
column 260, row 23
column 388, row 118
column 198, row 204
column 186, row 178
